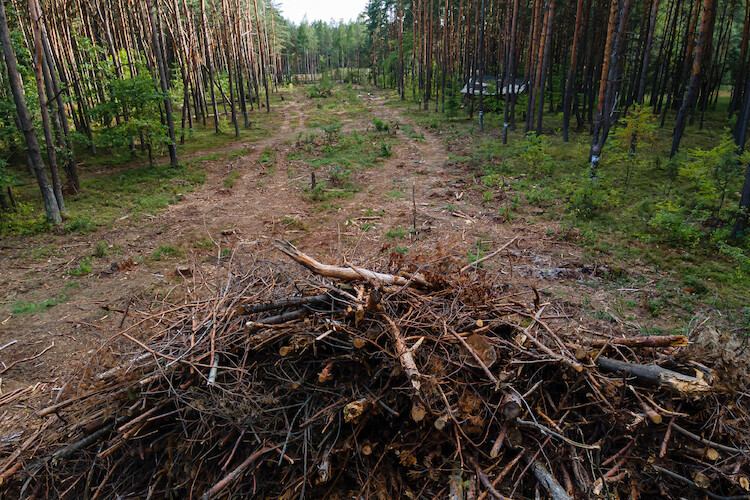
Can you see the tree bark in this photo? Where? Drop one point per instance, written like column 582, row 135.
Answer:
column 707, row 17
column 164, row 83
column 27, row 126
column 647, row 52
column 36, row 19
column 570, row 84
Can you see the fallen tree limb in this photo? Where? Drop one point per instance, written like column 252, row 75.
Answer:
column 347, row 273
column 705, row 441
column 229, row 478
column 687, row 481
column 405, row 355
column 555, row 490
column 30, row 358
column 488, row 256
column 685, row 385
column 652, row 341
column 281, row 304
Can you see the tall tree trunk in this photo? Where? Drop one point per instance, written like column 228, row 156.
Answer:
column 481, row 65
column 36, row 20
column 545, row 62
column 647, row 51
column 596, row 147
column 207, row 55
column 707, row 17
column 172, row 146
column 52, row 64
column 510, row 87
column 570, row 84
column 27, row 126
column 742, row 71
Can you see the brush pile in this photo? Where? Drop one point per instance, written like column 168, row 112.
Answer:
column 431, row 382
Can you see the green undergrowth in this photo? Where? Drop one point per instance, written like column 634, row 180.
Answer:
column 22, row 307
column 336, row 157
column 642, row 211
column 116, row 184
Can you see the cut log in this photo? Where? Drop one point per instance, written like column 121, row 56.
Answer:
column 405, row 356
column 684, row 385
column 347, row 273
column 652, row 341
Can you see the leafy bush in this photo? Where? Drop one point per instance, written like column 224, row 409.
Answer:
column 534, row 153
column 397, row 232
column 84, row 267
column 338, row 175
column 715, row 174
column 671, row 225
column 380, row 125
column 81, row 225
column 586, row 201
column 168, row 250
column 637, row 133
column 101, row 249
column 22, row 221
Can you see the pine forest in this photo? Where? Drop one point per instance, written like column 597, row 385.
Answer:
column 458, row 249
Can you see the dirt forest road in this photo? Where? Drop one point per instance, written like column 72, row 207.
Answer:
column 225, row 224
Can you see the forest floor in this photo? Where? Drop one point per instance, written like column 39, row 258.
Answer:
column 64, row 293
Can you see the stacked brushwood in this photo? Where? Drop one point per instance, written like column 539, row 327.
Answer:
column 432, row 381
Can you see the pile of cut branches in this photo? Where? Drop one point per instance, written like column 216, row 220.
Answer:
column 432, row 381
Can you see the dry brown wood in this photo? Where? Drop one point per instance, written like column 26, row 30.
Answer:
column 405, row 355
column 347, row 273
column 684, row 385
column 555, row 490
column 229, row 478
column 30, row 358
column 473, row 354
column 488, row 256
column 652, row 341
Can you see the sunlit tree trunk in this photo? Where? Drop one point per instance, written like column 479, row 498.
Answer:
column 27, row 126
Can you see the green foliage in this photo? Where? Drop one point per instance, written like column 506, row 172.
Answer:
column 385, row 150
column 23, row 221
column 332, row 131
column 452, row 99
column 380, row 125
column 7, row 176
column 629, row 141
column 535, row 155
column 136, row 101
column 322, row 89
column 587, row 200
column 31, row 307
column 101, row 249
column 166, row 251
column 478, row 250
column 713, row 173
column 396, row 232
column 338, row 175
column 83, row 225
column 671, row 225
column 84, row 267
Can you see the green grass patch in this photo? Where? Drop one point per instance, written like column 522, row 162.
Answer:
column 230, row 180
column 83, row 268
column 395, row 233
column 35, row 307
column 166, row 251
